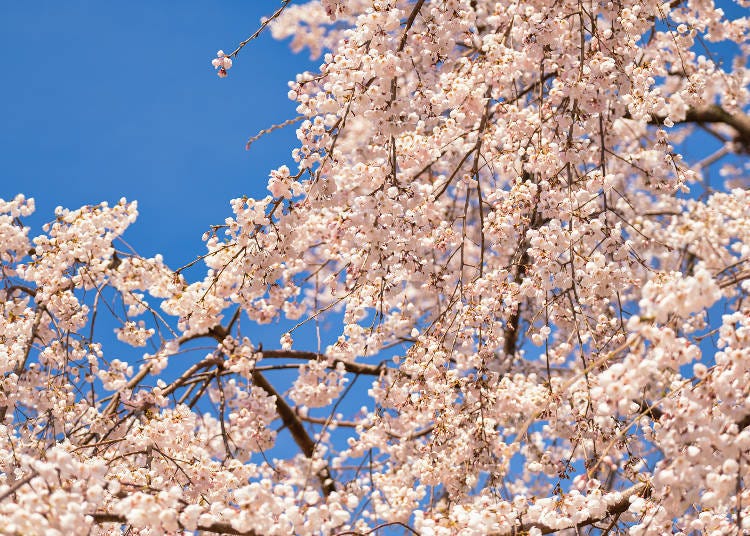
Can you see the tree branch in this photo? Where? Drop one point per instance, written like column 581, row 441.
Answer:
column 221, row 528
column 409, row 22
column 621, row 505
column 296, row 428
column 355, row 368
column 264, row 23
column 713, row 113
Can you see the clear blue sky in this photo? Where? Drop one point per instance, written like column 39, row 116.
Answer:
column 102, row 100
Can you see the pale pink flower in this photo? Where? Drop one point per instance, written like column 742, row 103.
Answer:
column 222, row 63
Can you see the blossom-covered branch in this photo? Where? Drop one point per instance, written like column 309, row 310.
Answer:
column 508, row 277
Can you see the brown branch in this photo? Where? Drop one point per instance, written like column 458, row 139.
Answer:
column 649, row 410
column 221, row 528
column 642, row 489
column 286, row 413
column 744, row 422
column 296, row 428
column 328, row 420
column 270, row 129
column 355, row 368
column 512, row 325
column 26, row 290
column 713, row 113
column 266, row 22
column 409, row 22
column 19, row 484
column 21, row 365
column 734, row 279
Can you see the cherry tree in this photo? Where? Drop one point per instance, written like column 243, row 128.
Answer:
column 522, row 232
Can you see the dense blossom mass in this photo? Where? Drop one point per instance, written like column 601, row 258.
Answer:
column 520, row 232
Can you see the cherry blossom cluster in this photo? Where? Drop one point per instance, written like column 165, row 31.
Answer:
column 528, row 287
column 222, row 63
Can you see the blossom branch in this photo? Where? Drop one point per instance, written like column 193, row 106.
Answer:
column 355, row 368
column 263, row 25
column 221, row 528
column 615, row 508
column 296, row 428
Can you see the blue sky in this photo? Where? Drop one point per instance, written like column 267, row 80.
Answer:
column 102, row 100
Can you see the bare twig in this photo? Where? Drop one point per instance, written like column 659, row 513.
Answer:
column 262, row 27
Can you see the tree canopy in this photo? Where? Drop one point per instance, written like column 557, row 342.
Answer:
column 519, row 233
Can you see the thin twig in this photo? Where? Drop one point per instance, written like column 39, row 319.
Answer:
column 263, row 25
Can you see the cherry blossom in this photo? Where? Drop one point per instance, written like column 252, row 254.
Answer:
column 504, row 290
column 222, row 63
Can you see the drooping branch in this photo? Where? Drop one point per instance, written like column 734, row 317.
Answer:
column 286, row 413
column 513, row 323
column 412, row 17
column 296, row 428
column 221, row 528
column 263, row 25
column 616, row 508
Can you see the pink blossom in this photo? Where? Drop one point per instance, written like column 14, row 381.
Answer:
column 222, row 63
column 516, row 305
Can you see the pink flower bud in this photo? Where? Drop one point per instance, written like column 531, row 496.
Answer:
column 222, row 63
